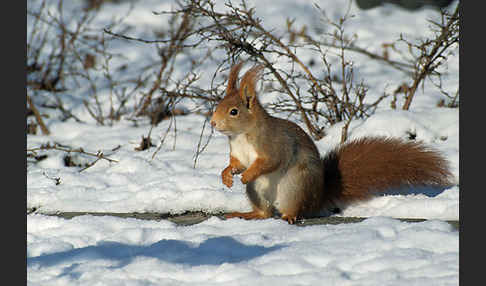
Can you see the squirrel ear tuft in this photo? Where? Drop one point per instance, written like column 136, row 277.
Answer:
column 233, row 78
column 247, row 85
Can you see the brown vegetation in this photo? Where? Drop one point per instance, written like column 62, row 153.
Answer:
column 79, row 57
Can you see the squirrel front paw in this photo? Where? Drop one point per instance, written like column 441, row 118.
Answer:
column 227, row 176
column 247, row 177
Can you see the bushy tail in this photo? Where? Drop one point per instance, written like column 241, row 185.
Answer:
column 357, row 169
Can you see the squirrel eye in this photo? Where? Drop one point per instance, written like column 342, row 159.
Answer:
column 234, row 111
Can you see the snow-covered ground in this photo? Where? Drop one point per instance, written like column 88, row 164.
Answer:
column 90, row 250
column 169, row 183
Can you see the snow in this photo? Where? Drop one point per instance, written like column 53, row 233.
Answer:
column 169, row 183
column 94, row 250
column 91, row 250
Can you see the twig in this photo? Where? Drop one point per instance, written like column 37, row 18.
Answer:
column 57, row 180
column 80, row 150
column 162, row 140
column 99, row 155
column 441, row 44
column 200, row 148
column 38, row 117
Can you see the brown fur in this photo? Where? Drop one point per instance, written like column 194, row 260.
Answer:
column 356, row 170
column 282, row 168
column 233, row 78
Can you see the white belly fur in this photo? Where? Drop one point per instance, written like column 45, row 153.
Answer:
column 242, row 150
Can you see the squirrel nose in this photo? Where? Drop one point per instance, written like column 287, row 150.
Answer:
column 213, row 123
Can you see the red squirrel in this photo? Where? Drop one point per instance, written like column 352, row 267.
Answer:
column 284, row 173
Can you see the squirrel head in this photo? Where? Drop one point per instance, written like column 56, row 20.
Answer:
column 239, row 110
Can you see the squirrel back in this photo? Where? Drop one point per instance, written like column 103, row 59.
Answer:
column 284, row 173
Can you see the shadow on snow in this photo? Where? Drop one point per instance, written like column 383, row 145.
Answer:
column 213, row 251
column 429, row 191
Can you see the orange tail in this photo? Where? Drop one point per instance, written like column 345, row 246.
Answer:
column 357, row 169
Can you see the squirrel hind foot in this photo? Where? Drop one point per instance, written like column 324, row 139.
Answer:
column 247, row 215
column 291, row 219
